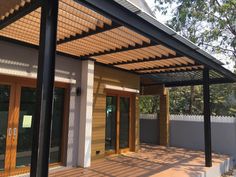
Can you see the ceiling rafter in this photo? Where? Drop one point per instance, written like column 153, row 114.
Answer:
column 147, row 59
column 123, row 49
column 22, row 11
column 89, row 33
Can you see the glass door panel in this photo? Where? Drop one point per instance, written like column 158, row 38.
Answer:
column 56, row 133
column 4, row 108
column 111, row 113
column 25, row 130
column 124, row 122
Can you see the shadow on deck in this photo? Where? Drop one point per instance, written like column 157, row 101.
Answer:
column 151, row 160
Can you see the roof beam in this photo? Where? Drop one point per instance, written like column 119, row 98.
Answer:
column 191, row 82
column 26, row 9
column 89, row 33
column 166, row 67
column 122, row 15
column 178, row 71
column 123, row 49
column 33, row 46
column 147, row 59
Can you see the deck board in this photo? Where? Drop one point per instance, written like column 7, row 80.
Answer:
column 155, row 161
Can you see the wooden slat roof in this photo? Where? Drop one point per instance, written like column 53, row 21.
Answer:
column 86, row 34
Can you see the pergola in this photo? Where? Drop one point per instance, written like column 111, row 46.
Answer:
column 114, row 33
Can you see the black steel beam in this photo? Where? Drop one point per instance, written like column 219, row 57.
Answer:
column 146, row 59
column 166, row 67
column 44, row 91
column 25, row 44
column 190, row 82
column 207, row 117
column 29, row 7
column 168, row 72
column 123, row 49
column 89, row 33
column 125, row 17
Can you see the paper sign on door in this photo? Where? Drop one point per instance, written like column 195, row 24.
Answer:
column 27, row 121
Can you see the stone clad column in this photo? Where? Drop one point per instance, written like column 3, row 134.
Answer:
column 86, row 110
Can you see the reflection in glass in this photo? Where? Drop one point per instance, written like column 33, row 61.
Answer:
column 56, row 133
column 4, row 107
column 111, row 108
column 25, row 130
column 124, row 122
column 25, row 133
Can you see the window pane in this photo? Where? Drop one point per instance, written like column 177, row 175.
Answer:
column 25, row 130
column 124, row 122
column 58, row 114
column 111, row 108
column 4, row 107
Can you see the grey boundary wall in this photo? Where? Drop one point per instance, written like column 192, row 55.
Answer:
column 187, row 131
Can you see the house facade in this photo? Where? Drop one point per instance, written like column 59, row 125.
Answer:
column 114, row 98
column 108, row 53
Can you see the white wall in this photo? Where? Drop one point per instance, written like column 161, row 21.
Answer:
column 22, row 62
column 85, row 124
column 187, row 131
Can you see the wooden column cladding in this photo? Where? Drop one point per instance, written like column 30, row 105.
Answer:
column 164, row 118
column 164, row 110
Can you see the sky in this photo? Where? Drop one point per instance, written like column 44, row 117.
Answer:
column 161, row 18
column 164, row 18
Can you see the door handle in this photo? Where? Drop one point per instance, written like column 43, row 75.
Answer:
column 9, row 131
column 14, row 132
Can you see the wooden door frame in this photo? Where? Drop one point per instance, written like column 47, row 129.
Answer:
column 16, row 83
column 130, row 95
column 7, row 159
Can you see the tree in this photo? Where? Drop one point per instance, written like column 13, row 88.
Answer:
column 211, row 24
column 149, row 104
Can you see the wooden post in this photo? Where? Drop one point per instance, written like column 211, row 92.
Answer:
column 164, row 118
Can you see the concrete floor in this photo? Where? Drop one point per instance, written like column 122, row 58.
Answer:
column 155, row 161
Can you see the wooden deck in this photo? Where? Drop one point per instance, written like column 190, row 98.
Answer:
column 150, row 161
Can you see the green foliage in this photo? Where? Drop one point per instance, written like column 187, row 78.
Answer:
column 149, row 104
column 223, row 100
column 181, row 102
column 189, row 100
column 210, row 24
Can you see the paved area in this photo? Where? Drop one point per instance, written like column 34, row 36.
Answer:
column 155, row 161
column 231, row 173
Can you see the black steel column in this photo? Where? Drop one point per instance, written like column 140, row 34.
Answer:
column 207, row 117
column 45, row 84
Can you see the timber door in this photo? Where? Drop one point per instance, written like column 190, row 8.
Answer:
column 6, row 95
column 118, row 123
column 17, row 112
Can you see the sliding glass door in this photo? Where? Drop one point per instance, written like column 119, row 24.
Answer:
column 25, row 129
column 111, row 118
column 4, row 121
column 124, row 122
column 17, row 112
column 118, row 123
